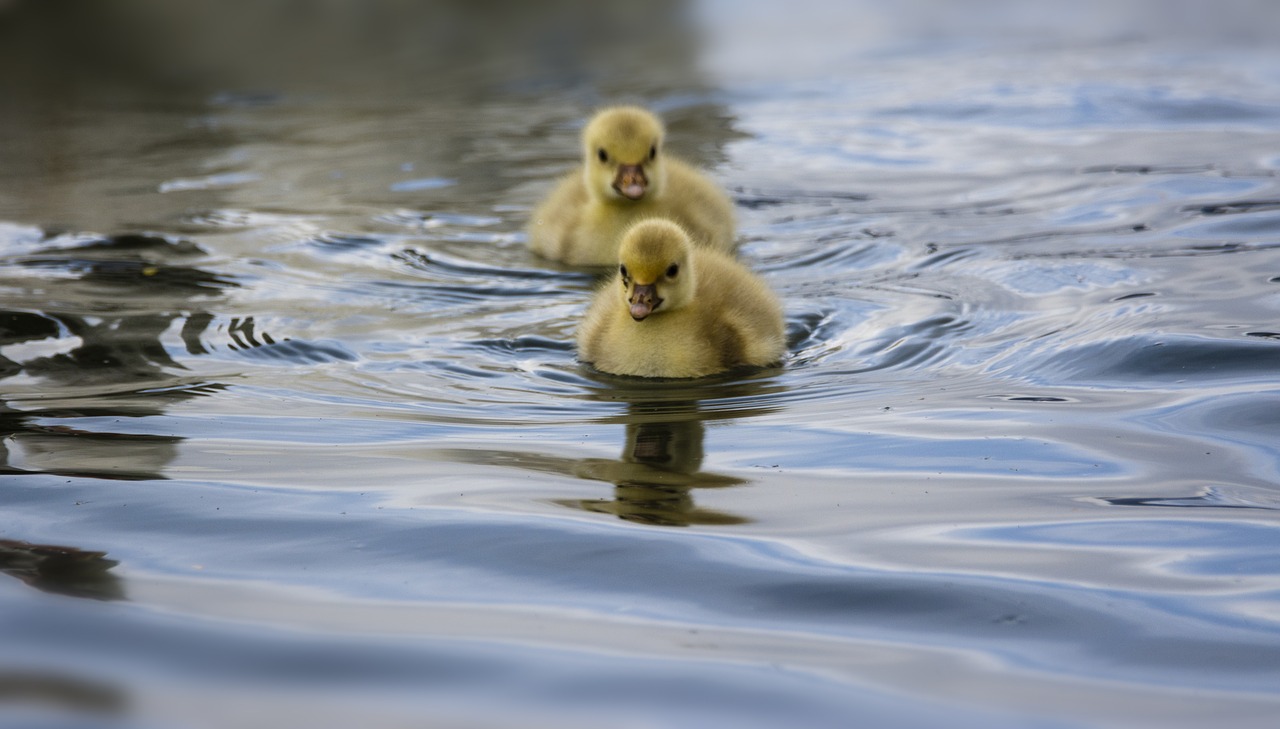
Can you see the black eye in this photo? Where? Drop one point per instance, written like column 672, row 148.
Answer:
column 602, row 155
column 623, row 270
column 672, row 270
column 653, row 151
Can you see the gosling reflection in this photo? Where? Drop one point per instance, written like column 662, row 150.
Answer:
column 61, row 570
column 655, row 478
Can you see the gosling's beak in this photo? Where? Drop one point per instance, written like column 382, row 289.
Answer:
column 631, row 182
column 644, row 299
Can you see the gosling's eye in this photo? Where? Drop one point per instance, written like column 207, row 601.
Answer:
column 602, row 155
column 653, row 151
column 672, row 270
column 623, row 270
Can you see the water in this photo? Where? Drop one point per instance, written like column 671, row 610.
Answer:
column 294, row 434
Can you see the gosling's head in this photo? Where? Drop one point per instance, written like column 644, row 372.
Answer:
column 654, row 268
column 622, row 148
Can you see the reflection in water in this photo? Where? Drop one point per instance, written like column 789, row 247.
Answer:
column 655, row 477
column 1212, row 498
column 67, row 451
column 661, row 462
column 61, row 570
column 116, row 296
column 110, row 300
column 32, row 690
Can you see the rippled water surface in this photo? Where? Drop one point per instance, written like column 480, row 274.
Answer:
column 294, row 434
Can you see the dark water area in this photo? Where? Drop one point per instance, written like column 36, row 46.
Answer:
column 294, row 433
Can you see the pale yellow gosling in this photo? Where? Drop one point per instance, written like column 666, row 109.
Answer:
column 675, row 310
column 626, row 177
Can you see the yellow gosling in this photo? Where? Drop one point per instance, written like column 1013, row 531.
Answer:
column 626, row 177
column 675, row 310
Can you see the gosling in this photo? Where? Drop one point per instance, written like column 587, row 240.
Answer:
column 674, row 310
column 626, row 177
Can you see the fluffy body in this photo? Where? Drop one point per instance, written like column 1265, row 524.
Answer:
column 626, row 177
column 713, row 315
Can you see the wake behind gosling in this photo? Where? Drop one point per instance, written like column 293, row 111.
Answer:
column 675, row 310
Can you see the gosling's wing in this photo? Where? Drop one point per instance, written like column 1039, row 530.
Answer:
column 553, row 226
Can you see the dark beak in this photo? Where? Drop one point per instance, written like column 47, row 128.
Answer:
column 644, row 299
column 631, row 182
